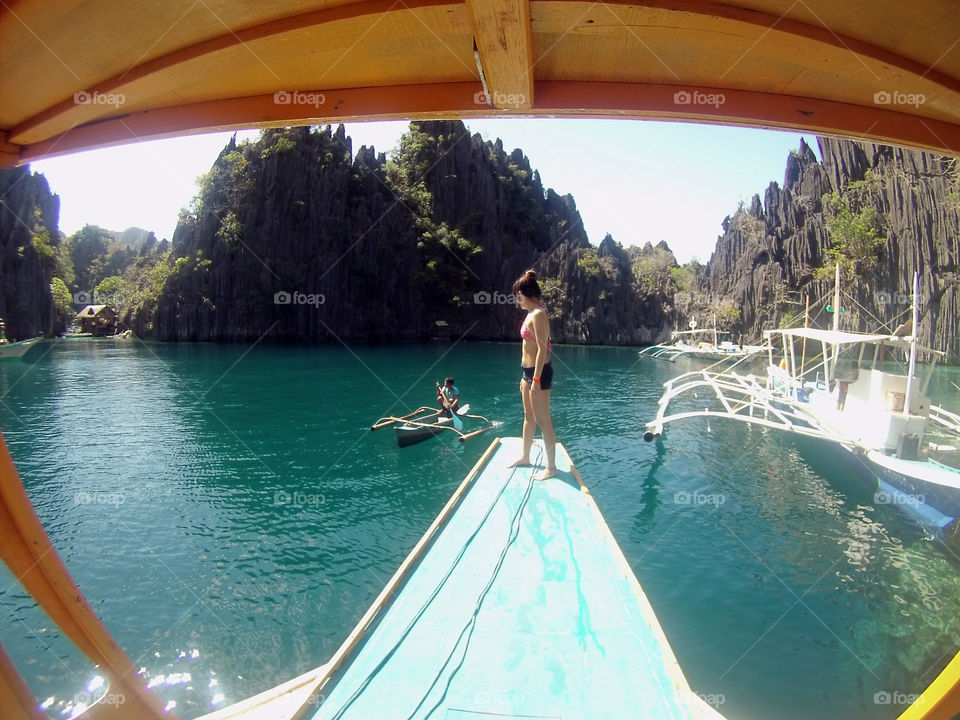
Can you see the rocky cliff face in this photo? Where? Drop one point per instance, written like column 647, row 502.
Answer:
column 29, row 215
column 298, row 238
column 765, row 263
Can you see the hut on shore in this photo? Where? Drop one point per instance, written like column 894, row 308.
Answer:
column 98, row 320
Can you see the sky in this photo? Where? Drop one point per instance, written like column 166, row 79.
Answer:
column 637, row 180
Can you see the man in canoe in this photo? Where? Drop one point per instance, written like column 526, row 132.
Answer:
column 448, row 397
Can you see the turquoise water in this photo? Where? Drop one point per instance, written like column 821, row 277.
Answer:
column 229, row 515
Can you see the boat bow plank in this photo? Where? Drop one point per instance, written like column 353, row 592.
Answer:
column 522, row 606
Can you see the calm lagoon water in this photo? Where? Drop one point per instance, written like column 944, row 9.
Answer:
column 229, row 515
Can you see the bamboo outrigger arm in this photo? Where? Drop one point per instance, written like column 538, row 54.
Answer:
column 390, row 419
column 742, row 398
column 27, row 551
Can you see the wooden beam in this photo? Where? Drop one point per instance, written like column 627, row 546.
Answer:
column 26, row 549
column 772, row 111
column 501, row 29
column 554, row 99
column 15, row 697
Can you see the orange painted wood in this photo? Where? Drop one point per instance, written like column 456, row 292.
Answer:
column 554, row 99
column 27, row 551
column 16, row 699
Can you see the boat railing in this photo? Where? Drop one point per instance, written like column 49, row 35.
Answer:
column 740, row 397
column 945, row 418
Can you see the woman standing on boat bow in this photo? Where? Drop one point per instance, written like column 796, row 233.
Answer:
column 537, row 375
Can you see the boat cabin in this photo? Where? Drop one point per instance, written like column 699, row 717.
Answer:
column 856, row 384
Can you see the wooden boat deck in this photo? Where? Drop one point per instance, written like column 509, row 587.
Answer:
column 523, row 605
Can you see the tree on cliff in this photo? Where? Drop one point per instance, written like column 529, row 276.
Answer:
column 854, row 229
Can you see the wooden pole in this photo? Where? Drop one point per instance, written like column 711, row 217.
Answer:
column 27, row 551
column 390, row 420
column 466, row 437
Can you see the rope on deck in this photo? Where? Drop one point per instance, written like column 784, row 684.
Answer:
column 472, row 620
column 514, row 526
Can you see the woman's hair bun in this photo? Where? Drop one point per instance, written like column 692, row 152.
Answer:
column 527, row 284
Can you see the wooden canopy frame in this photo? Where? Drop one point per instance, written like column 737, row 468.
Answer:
column 82, row 74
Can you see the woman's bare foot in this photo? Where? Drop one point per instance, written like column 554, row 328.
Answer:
column 546, row 474
column 519, row 462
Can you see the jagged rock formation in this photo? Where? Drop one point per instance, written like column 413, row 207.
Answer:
column 437, row 233
column 765, row 261
column 29, row 216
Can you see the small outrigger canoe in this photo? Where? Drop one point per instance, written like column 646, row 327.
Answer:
column 426, row 422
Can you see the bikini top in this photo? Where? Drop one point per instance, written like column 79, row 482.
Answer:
column 527, row 335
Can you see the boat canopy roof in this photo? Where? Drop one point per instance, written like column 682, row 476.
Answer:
column 842, row 337
column 81, row 74
column 701, row 331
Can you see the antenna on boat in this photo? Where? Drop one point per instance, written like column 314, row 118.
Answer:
column 913, row 342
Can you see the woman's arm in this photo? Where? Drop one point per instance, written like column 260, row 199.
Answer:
column 540, row 325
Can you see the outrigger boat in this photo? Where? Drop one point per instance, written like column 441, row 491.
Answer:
column 856, row 395
column 426, row 422
column 17, row 349
column 703, row 344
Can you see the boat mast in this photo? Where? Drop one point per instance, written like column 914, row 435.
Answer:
column 913, row 341
column 715, row 331
column 836, row 325
column 806, row 324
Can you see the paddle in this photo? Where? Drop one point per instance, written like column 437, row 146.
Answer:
column 457, row 422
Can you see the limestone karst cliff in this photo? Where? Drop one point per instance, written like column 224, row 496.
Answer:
column 296, row 237
column 29, row 216
column 767, row 260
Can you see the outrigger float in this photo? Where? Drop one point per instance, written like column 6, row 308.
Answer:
column 426, row 422
column 855, row 395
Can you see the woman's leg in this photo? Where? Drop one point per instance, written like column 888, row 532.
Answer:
column 529, row 425
column 540, row 402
